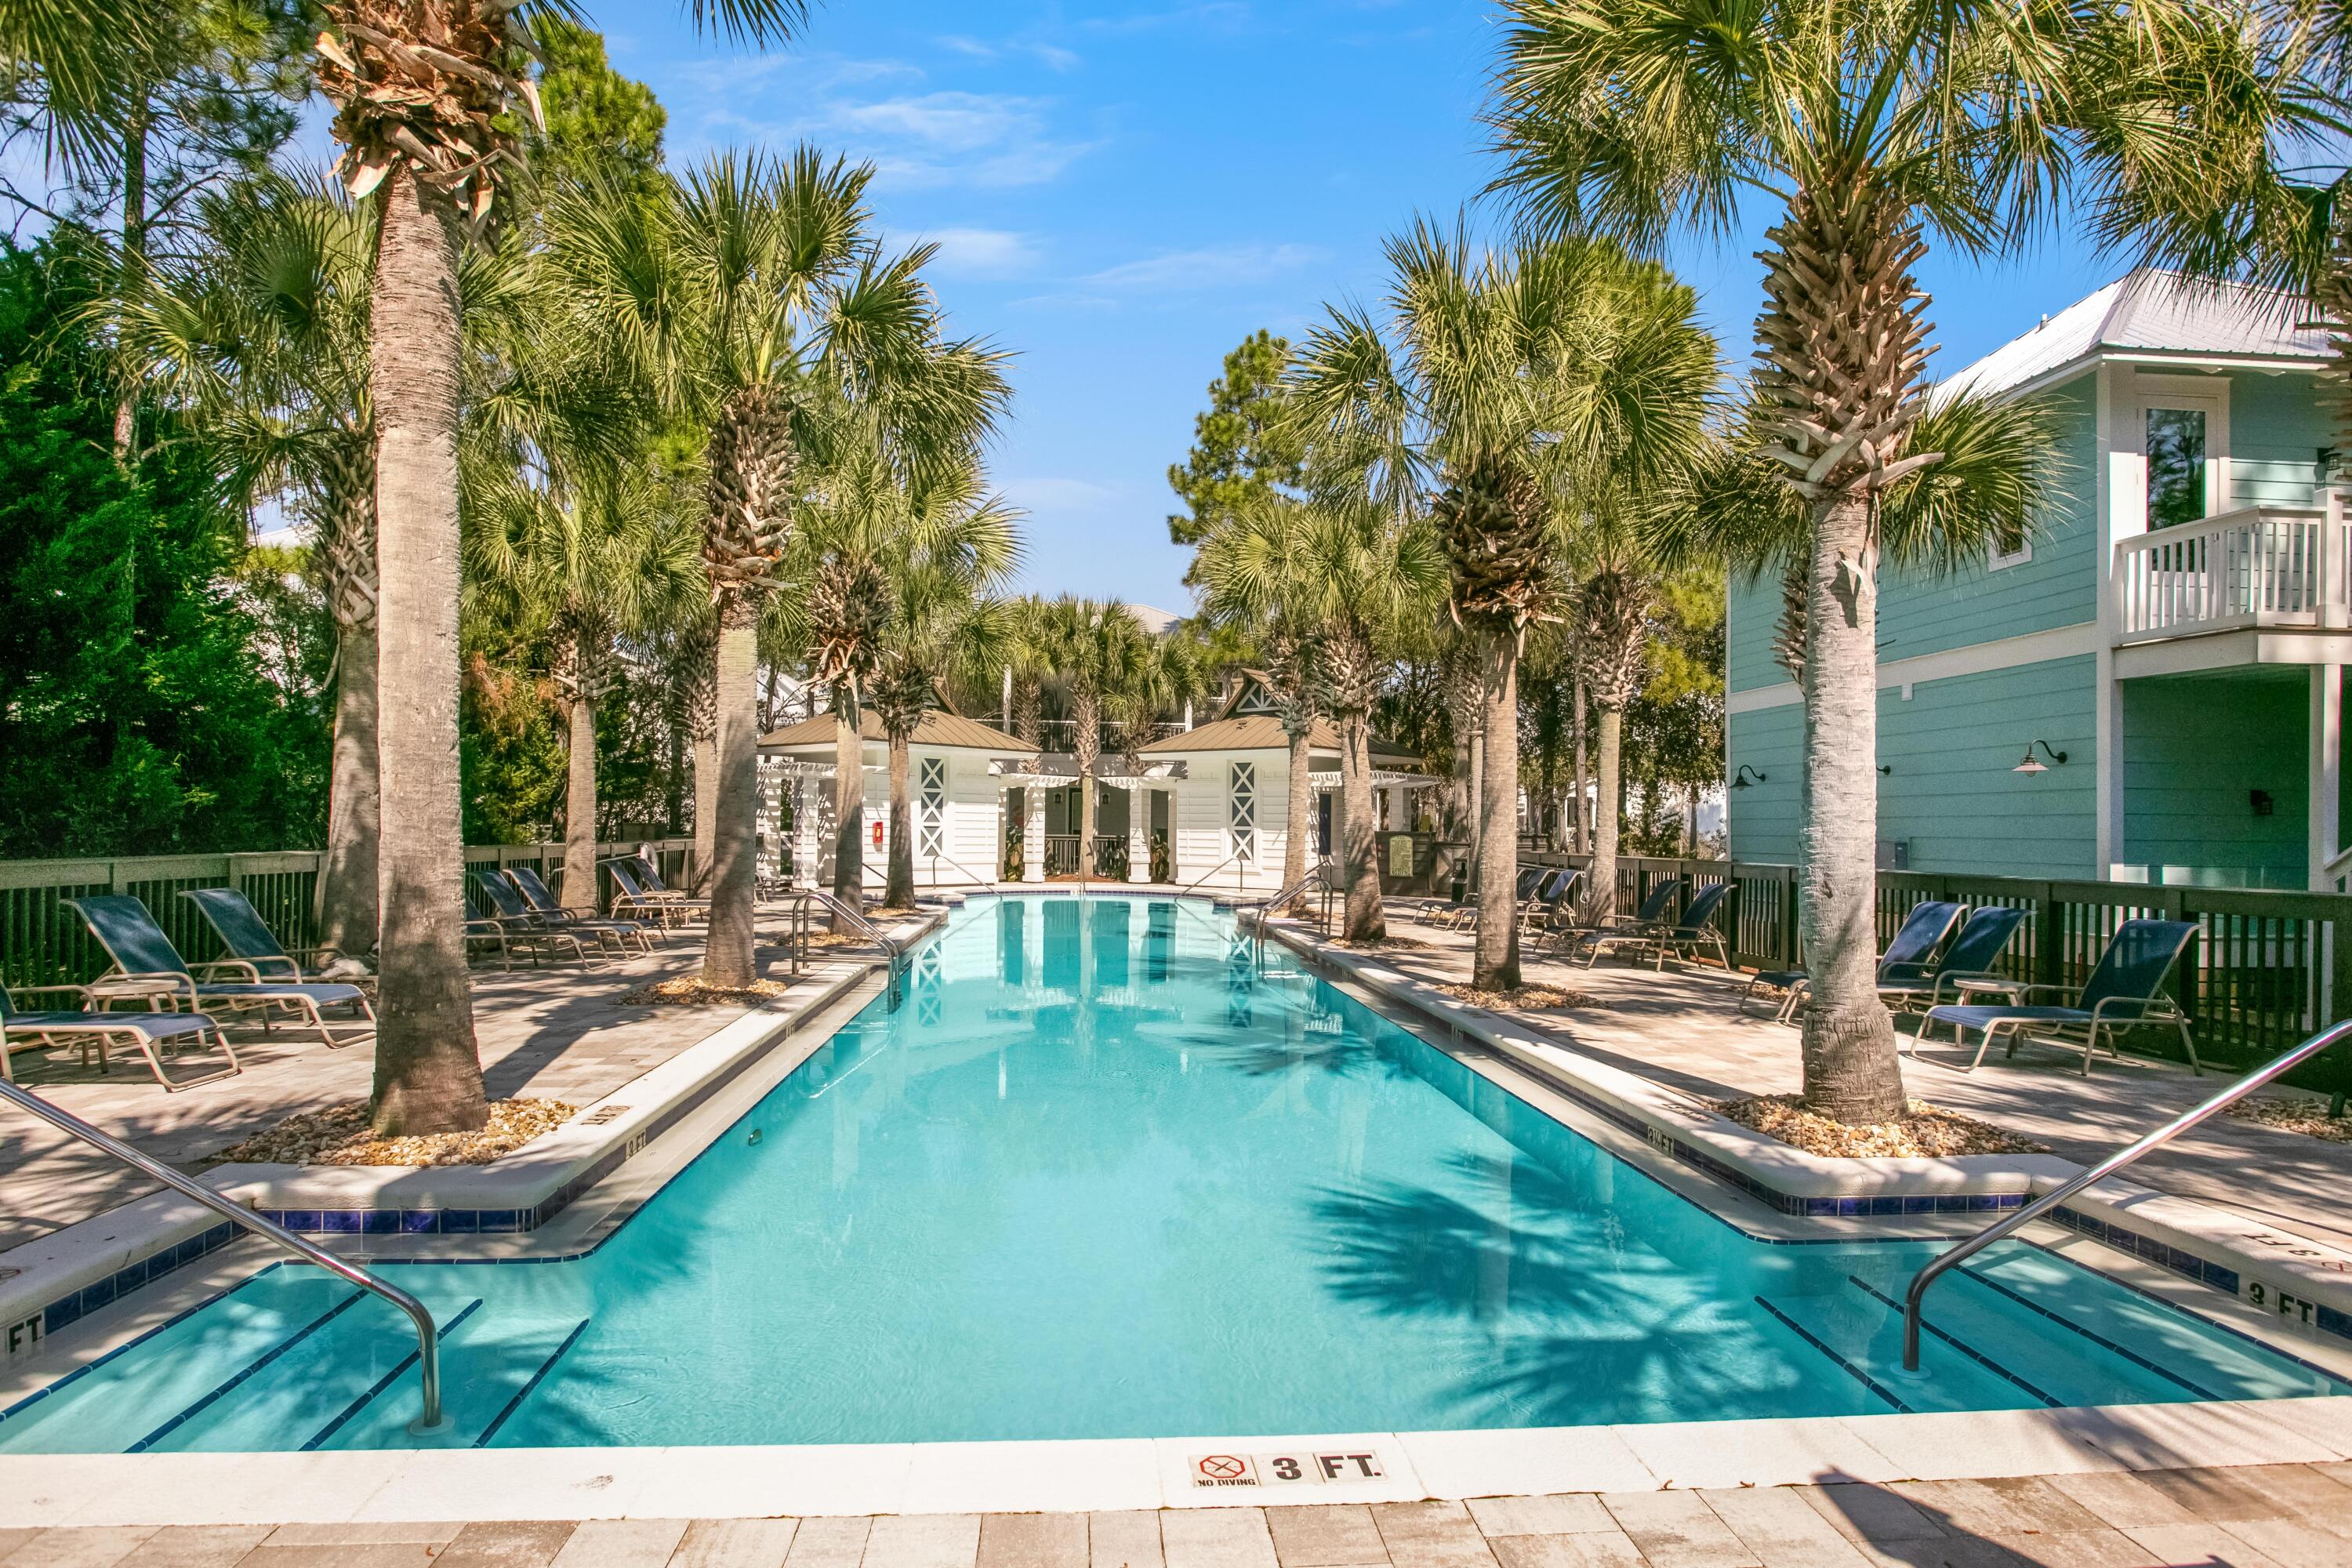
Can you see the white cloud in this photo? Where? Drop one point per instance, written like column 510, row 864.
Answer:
column 1051, row 494
column 1209, row 267
column 917, row 138
column 1051, row 56
column 983, row 252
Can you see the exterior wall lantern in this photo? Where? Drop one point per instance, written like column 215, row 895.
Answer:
column 1747, row 776
column 2031, row 765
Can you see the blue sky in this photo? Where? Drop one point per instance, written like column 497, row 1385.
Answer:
column 1122, row 193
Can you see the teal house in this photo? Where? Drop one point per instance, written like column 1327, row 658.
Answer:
column 2151, row 687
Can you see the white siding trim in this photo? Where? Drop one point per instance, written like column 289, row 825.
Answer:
column 1977, row 658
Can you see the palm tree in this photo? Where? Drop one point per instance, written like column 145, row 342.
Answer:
column 1888, row 124
column 262, row 334
column 421, row 90
column 1102, row 654
column 1532, row 385
column 606, row 553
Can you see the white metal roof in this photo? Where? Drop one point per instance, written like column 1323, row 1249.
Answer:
column 2152, row 313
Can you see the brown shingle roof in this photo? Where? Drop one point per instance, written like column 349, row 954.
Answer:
column 938, row 729
column 1263, row 731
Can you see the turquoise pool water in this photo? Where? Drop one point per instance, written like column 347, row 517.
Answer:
column 1093, row 1176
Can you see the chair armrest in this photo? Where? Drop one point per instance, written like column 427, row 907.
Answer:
column 80, row 991
column 233, row 965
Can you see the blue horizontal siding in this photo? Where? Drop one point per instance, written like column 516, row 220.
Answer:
column 2195, row 747
column 1953, row 797
column 2276, row 429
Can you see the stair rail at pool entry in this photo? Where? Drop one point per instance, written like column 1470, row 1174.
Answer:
column 428, row 1340
column 1262, row 908
column 2286, row 1061
column 858, row 919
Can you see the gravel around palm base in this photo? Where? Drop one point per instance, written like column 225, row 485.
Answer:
column 688, row 991
column 2308, row 1117
column 338, row 1135
column 1525, row 999
column 1378, row 942
column 1925, row 1130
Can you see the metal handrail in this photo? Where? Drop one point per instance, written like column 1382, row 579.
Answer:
column 1267, row 906
column 1236, row 855
column 428, row 1343
column 858, row 919
column 1913, row 1299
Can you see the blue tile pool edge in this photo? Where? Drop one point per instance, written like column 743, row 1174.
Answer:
column 2188, row 1266
column 1658, row 1140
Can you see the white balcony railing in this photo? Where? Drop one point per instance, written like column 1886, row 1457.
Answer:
column 2261, row 566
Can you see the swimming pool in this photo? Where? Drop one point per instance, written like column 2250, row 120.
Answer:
column 1091, row 1173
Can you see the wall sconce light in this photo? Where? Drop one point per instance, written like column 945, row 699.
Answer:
column 2029, row 766
column 2262, row 803
column 1747, row 776
column 1886, row 767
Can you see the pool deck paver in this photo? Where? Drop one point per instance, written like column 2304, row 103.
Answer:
column 1681, row 1029
column 2276, row 1516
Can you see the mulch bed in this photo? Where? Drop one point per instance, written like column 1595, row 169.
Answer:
column 2308, row 1117
column 688, row 991
column 1378, row 942
column 1525, row 999
column 338, row 1135
column 1925, row 1130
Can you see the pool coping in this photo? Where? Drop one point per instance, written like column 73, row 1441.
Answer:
column 2305, row 1283
column 89, row 1265
column 841, row 1479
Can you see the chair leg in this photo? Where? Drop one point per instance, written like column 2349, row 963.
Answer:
column 2091, row 1045
column 2188, row 1040
column 1983, row 1045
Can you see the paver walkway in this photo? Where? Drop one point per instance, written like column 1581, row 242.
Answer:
column 555, row 1033
column 2269, row 1516
column 1680, row 1028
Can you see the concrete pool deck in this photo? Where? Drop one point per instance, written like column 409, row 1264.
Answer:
column 1681, row 1029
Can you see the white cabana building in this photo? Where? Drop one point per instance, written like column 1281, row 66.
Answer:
column 953, row 794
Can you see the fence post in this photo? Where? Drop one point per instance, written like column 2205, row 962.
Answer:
column 2046, row 936
column 1791, row 950
column 2339, row 979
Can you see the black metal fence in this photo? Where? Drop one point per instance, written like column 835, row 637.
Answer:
column 43, row 942
column 2268, row 969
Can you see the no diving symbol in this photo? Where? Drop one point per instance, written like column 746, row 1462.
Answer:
column 1223, row 1467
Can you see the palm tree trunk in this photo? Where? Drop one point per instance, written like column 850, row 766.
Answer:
column 1496, row 967
column 1583, row 841
column 1299, row 813
column 347, row 877
column 135, row 255
column 1600, row 881
column 1359, row 866
column 1852, row 1072
column 706, row 810
column 428, row 1073
column 729, row 961
column 580, row 812
column 849, row 808
column 1086, row 723
column 899, row 892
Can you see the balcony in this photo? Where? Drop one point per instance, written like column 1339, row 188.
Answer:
column 2255, row 570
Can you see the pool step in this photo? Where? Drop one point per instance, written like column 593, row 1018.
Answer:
column 490, row 1366
column 325, row 1363
column 123, row 1398
column 2176, row 1355
column 1857, row 1334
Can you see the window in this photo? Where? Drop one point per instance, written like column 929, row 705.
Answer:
column 1245, row 810
column 931, row 809
column 2176, row 466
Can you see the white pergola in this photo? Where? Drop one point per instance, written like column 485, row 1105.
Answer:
column 1034, row 775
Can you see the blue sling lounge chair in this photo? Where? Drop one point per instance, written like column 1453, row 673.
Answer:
column 148, row 1031
column 147, row 964
column 251, row 945
column 540, row 901
column 2125, row 989
column 1650, row 918
column 1905, row 961
column 1682, row 938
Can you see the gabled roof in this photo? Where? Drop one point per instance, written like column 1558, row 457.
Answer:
column 2151, row 313
column 937, row 729
column 1262, row 733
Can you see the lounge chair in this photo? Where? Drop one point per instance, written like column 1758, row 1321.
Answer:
column 1650, row 917
column 1455, row 896
column 1695, row 931
column 1465, row 915
column 148, row 1031
column 1984, row 937
column 1536, row 908
column 640, row 895
column 2125, row 989
column 523, row 925
column 1554, row 904
column 540, row 901
column 147, row 964
column 252, row 946
column 1906, row 962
